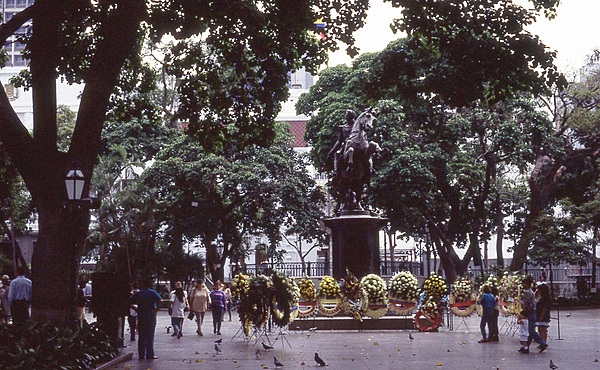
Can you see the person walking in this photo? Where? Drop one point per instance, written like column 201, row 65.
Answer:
column 542, row 310
column 227, row 291
column 4, row 305
column 199, row 301
column 178, row 305
column 80, row 302
column 494, row 337
column 148, row 303
column 528, row 302
column 487, row 302
column 218, row 303
column 523, row 332
column 19, row 297
column 132, row 318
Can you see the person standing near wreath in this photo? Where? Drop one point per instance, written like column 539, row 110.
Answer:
column 487, row 302
column 542, row 310
column 218, row 303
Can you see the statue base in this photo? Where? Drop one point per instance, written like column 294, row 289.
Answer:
column 355, row 243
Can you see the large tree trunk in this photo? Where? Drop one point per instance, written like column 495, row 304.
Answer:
column 544, row 177
column 62, row 226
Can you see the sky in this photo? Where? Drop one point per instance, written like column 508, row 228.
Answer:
column 572, row 34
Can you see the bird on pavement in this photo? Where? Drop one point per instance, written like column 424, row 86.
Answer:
column 219, row 341
column 312, row 329
column 257, row 354
column 552, row 366
column 319, row 360
column 410, row 336
column 266, row 346
column 217, row 349
column 276, row 362
column 569, row 314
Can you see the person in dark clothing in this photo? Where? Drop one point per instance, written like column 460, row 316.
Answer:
column 542, row 310
column 218, row 304
column 148, row 303
column 487, row 302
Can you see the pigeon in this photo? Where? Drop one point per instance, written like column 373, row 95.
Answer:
column 312, row 329
column 410, row 336
column 552, row 366
column 168, row 327
column 569, row 314
column 277, row 363
column 219, row 341
column 319, row 360
column 217, row 349
column 266, row 346
column 257, row 353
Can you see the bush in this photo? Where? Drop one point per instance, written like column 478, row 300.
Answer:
column 41, row 347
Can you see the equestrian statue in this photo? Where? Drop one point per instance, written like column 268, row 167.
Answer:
column 352, row 160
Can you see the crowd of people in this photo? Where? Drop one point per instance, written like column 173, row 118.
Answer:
column 535, row 313
column 146, row 302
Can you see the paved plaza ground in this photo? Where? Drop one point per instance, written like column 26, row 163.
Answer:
column 577, row 347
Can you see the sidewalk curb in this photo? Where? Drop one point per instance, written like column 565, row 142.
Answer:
column 120, row 358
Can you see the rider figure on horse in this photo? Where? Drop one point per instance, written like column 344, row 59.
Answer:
column 344, row 132
column 353, row 164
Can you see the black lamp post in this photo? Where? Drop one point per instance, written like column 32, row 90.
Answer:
column 219, row 264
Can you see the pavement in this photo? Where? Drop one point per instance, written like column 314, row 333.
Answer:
column 574, row 344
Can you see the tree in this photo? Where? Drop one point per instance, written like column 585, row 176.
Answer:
column 481, row 50
column 438, row 174
column 94, row 42
column 565, row 166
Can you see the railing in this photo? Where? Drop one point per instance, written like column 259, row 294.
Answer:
column 317, row 269
column 293, row 269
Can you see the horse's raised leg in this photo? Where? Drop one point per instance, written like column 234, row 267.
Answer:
column 349, row 156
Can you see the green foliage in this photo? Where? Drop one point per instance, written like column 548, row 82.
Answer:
column 555, row 240
column 468, row 51
column 36, row 346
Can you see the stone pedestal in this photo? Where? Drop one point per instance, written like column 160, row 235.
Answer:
column 355, row 243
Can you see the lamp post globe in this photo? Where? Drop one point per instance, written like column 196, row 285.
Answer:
column 74, row 183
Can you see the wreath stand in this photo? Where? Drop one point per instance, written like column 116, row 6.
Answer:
column 462, row 310
column 240, row 332
column 283, row 335
column 262, row 332
column 463, row 321
column 509, row 325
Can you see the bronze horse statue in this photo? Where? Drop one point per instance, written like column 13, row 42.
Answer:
column 356, row 165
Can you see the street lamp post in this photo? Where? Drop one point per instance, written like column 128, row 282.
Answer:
column 220, row 249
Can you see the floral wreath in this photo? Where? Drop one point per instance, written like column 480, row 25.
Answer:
column 404, row 290
column 428, row 317
column 285, row 300
column 256, row 303
column 355, row 298
column 328, row 297
column 240, row 285
column 308, row 298
column 462, row 301
column 376, row 290
column 511, row 288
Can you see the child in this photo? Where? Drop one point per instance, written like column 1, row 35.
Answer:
column 523, row 332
